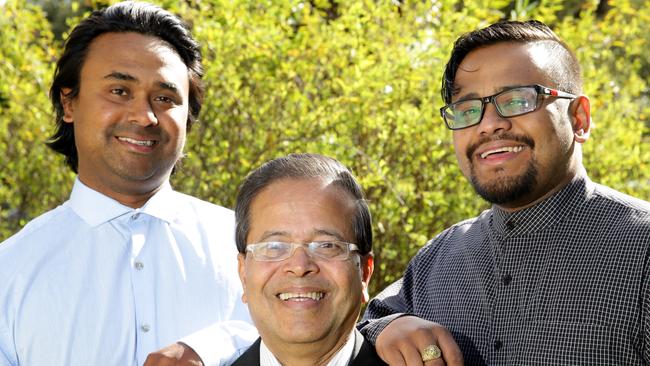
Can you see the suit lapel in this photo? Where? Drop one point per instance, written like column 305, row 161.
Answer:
column 251, row 357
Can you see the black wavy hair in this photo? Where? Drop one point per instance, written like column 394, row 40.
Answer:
column 565, row 71
column 129, row 16
column 303, row 166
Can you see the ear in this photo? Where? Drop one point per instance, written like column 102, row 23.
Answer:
column 367, row 266
column 581, row 119
column 241, row 268
column 66, row 101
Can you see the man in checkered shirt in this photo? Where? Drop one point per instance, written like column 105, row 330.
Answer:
column 556, row 272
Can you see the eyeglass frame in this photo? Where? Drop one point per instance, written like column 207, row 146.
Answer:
column 539, row 89
column 349, row 246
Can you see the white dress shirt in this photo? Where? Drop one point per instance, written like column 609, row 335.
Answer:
column 94, row 282
column 341, row 358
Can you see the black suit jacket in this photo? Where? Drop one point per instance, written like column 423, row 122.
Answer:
column 364, row 354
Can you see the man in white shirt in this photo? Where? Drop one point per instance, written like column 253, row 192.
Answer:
column 304, row 239
column 126, row 265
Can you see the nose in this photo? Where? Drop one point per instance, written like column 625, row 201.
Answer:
column 141, row 112
column 492, row 122
column 300, row 263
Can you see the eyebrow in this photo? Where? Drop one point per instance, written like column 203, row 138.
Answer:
column 121, row 76
column 475, row 95
column 316, row 232
column 116, row 75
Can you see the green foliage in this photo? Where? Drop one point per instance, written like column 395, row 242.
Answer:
column 359, row 81
column 31, row 178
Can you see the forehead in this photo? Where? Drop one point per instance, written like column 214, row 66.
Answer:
column 135, row 53
column 488, row 70
column 300, row 208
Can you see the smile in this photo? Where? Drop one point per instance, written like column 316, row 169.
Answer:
column 284, row 296
column 499, row 150
column 148, row 143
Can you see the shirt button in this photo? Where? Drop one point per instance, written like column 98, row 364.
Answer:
column 506, row 279
column 498, row 344
column 145, row 327
column 138, row 265
column 510, row 225
column 135, row 216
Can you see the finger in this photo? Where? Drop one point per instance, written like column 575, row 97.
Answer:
column 413, row 357
column 450, row 351
column 157, row 360
column 438, row 361
column 393, row 358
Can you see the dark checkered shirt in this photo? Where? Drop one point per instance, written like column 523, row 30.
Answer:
column 562, row 283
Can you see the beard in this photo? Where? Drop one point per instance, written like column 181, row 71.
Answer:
column 502, row 190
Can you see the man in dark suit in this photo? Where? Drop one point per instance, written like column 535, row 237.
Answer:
column 304, row 238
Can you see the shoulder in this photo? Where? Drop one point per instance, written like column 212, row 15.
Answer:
column 618, row 209
column 461, row 232
column 251, row 356
column 364, row 352
column 37, row 242
column 208, row 217
column 201, row 206
column 41, row 229
column 606, row 196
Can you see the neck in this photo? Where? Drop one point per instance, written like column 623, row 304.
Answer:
column 518, row 206
column 129, row 198
column 307, row 354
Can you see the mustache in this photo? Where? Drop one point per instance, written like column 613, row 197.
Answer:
column 128, row 129
column 504, row 136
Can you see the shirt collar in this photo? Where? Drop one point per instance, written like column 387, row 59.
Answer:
column 96, row 208
column 547, row 213
column 341, row 358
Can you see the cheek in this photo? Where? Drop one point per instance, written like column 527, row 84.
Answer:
column 256, row 278
column 460, row 149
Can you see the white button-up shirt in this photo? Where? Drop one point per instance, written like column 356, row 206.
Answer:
column 94, row 282
column 341, row 358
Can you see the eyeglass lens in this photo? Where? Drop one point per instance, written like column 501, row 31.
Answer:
column 280, row 250
column 509, row 103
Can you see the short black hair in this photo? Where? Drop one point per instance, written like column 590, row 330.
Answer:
column 566, row 71
column 128, row 16
column 302, row 166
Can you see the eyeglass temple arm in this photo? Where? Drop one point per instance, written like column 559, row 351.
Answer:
column 557, row 93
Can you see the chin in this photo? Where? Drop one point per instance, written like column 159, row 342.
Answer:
column 506, row 189
column 501, row 189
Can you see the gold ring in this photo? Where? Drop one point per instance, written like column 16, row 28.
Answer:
column 430, row 352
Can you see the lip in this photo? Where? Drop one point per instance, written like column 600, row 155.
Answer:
column 301, row 297
column 138, row 143
column 500, row 151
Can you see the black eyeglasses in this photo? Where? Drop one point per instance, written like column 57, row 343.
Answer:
column 277, row 251
column 508, row 103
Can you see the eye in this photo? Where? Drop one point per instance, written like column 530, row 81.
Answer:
column 165, row 99
column 517, row 102
column 470, row 112
column 467, row 110
column 119, row 91
column 325, row 245
column 328, row 249
column 274, row 249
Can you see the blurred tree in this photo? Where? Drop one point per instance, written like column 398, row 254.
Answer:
column 356, row 80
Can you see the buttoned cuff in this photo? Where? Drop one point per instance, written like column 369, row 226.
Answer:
column 371, row 328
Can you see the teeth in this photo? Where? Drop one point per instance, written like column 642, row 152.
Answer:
column 515, row 149
column 300, row 296
column 137, row 142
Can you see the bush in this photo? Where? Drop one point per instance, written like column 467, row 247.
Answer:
column 356, row 80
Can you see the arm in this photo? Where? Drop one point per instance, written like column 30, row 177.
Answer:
column 399, row 335
column 645, row 313
column 218, row 344
column 5, row 346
